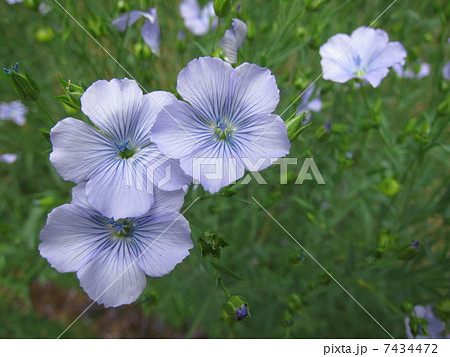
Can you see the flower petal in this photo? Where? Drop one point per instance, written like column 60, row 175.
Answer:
column 8, row 158
column 151, row 33
column 164, row 241
column 255, row 92
column 118, row 108
column 214, row 165
column 113, row 276
column 233, row 40
column 337, row 58
column 127, row 19
column 263, row 140
column 205, row 84
column 126, row 187
column 385, row 57
column 72, row 236
column 178, row 130
column 79, row 150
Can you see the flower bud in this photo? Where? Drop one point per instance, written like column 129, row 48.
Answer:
column 26, row 88
column 237, row 308
column 295, row 125
column 324, row 132
column 408, row 251
column 222, row 7
column 389, row 186
column 45, row 34
column 72, row 95
column 210, row 244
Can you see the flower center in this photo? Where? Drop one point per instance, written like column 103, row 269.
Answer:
column 360, row 70
column 222, row 130
column 124, row 150
column 122, row 228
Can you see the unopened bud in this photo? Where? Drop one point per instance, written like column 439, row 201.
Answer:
column 237, row 308
column 26, row 88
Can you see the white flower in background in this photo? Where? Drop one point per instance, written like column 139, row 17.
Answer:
column 8, row 158
column 233, row 40
column 366, row 54
column 150, row 31
column 424, row 71
column 199, row 21
column 14, row 111
column 435, row 325
column 446, row 71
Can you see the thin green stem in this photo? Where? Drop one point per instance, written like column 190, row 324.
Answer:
column 225, row 290
column 39, row 104
column 215, row 36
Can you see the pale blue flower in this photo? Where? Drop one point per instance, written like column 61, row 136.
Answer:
column 14, row 111
column 310, row 105
column 150, row 31
column 112, row 257
column 118, row 161
column 14, row 1
column 199, row 21
column 446, row 71
column 366, row 54
column 8, row 158
column 226, row 123
column 435, row 326
column 424, row 71
column 233, row 40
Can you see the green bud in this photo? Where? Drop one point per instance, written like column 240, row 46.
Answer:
column 237, row 308
column 295, row 303
column 323, row 133
column 26, row 88
column 72, row 95
column 210, row 244
column 386, row 241
column 141, row 50
column 297, row 258
column 287, row 319
column 408, row 251
column 45, row 34
column 443, row 310
column 295, row 125
column 389, row 186
column 407, row 306
column 222, row 7
column 418, row 326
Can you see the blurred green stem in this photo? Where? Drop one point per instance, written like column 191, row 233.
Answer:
column 39, row 104
column 225, row 290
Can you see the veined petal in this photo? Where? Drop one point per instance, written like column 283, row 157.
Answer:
column 338, row 58
column 263, row 140
column 164, row 241
column 73, row 235
column 214, row 165
column 127, row 19
column 118, row 108
column 366, row 41
column 126, row 187
column 179, row 130
column 205, row 84
column 233, row 40
column 167, row 201
column 113, row 276
column 255, row 92
column 79, row 150
column 120, row 191
column 151, row 32
column 387, row 56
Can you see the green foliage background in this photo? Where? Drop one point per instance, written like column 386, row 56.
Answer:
column 351, row 225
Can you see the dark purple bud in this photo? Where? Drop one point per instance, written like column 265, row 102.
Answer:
column 242, row 312
column 328, row 126
column 239, row 7
column 181, row 35
column 415, row 244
